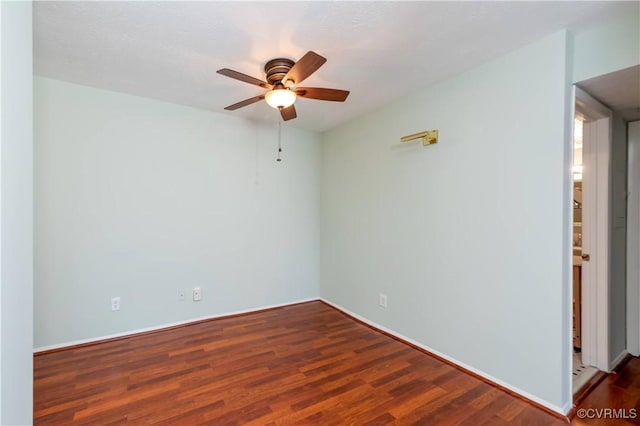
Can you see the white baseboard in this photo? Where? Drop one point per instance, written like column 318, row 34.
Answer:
column 564, row 410
column 560, row 410
column 169, row 325
column 618, row 359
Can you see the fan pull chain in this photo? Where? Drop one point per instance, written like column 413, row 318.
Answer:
column 279, row 140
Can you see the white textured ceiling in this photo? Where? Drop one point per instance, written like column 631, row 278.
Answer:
column 377, row 50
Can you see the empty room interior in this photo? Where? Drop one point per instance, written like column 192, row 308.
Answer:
column 318, row 212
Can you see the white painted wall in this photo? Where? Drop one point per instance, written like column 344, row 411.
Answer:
column 137, row 198
column 16, row 214
column 466, row 237
column 607, row 48
column 633, row 239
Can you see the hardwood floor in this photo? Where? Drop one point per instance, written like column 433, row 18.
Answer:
column 301, row 364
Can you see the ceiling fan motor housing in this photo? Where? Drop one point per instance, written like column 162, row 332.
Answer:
column 276, row 69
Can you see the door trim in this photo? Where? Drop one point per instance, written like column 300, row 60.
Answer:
column 596, row 181
column 633, row 238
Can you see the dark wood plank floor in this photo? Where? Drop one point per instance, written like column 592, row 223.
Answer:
column 302, row 364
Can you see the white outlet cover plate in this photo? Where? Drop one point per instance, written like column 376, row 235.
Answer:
column 197, row 294
column 115, row 303
column 383, row 300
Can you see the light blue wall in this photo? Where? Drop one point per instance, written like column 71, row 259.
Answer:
column 16, row 214
column 607, row 48
column 466, row 237
column 136, row 198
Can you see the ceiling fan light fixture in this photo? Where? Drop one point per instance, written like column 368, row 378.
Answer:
column 283, row 77
column 280, row 98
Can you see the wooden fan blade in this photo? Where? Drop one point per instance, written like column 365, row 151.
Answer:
column 306, row 66
column 288, row 113
column 243, row 77
column 322, row 94
column 244, row 103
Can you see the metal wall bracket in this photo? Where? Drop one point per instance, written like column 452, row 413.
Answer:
column 429, row 137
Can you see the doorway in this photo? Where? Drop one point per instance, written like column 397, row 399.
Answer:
column 582, row 372
column 592, row 146
column 609, row 308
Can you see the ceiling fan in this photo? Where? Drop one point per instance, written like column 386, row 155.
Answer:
column 283, row 76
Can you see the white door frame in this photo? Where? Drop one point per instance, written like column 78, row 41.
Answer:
column 633, row 239
column 595, row 238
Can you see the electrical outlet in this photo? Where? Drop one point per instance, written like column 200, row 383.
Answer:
column 181, row 294
column 197, row 294
column 115, row 303
column 382, row 300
